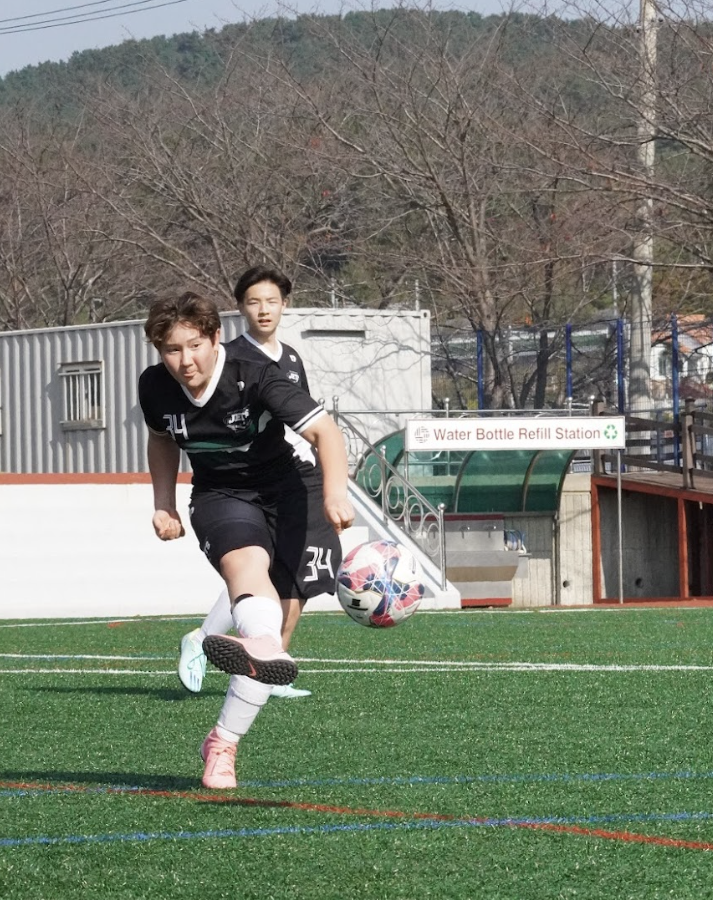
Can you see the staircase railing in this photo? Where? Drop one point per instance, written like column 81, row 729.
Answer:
column 400, row 501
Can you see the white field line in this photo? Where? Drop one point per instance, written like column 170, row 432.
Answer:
column 336, row 670
column 337, row 666
column 415, row 665
column 162, row 672
column 498, row 611
column 79, row 656
column 58, row 623
column 85, row 672
column 516, row 665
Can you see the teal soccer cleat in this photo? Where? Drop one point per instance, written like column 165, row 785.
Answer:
column 192, row 662
column 288, row 692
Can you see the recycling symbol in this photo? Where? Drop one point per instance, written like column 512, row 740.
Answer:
column 610, row 432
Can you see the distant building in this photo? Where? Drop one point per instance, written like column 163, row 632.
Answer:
column 695, row 359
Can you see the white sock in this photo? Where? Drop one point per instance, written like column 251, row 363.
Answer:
column 252, row 617
column 244, row 700
column 255, row 616
column 219, row 620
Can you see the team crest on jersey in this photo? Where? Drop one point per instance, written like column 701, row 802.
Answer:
column 238, row 420
column 293, row 377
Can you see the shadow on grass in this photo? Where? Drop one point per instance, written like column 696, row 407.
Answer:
column 130, row 784
column 169, row 694
column 75, row 780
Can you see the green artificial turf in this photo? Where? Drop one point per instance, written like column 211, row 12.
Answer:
column 543, row 754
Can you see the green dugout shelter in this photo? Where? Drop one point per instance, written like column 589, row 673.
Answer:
column 474, row 482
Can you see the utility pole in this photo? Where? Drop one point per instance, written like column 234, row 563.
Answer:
column 643, row 250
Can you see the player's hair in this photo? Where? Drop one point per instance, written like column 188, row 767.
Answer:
column 188, row 309
column 257, row 274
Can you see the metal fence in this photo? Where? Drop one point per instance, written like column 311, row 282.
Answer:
column 582, row 363
column 680, row 446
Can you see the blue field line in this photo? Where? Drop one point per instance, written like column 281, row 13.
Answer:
column 66, row 789
column 556, row 777
column 354, row 827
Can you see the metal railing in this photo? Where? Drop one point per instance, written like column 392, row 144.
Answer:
column 681, row 445
column 399, row 500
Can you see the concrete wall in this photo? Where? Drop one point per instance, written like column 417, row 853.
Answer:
column 537, row 586
column 649, row 541
column 575, row 524
column 534, row 586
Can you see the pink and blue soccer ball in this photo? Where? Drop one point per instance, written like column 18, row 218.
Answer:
column 379, row 584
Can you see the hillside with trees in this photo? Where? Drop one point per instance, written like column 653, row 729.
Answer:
column 486, row 168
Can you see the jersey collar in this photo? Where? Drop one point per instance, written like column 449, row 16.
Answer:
column 212, row 384
column 275, row 357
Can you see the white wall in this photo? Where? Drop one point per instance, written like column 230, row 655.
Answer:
column 82, row 548
column 89, row 550
column 369, row 359
column 78, row 550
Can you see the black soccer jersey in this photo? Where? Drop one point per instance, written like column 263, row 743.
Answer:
column 290, row 364
column 289, row 361
column 233, row 433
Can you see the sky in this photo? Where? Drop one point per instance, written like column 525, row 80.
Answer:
column 36, row 31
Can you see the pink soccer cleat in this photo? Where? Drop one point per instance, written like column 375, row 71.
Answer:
column 219, row 758
column 261, row 658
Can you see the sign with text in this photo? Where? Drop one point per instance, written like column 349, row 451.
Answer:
column 517, row 433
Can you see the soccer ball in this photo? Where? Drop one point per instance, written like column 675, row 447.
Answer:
column 379, row 584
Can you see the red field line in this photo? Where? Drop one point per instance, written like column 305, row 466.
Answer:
column 629, row 836
column 626, row 836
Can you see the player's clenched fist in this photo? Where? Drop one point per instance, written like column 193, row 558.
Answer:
column 339, row 512
column 167, row 524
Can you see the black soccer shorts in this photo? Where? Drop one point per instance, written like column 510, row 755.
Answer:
column 286, row 519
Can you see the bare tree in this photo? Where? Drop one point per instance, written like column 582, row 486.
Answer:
column 52, row 257
column 205, row 182
column 497, row 167
column 646, row 145
column 418, row 117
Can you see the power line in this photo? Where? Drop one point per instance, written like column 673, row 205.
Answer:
column 80, row 17
column 84, row 17
column 51, row 12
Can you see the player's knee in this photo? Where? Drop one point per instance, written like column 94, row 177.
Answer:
column 250, row 559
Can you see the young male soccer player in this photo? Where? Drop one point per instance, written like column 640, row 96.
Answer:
column 262, row 296
column 263, row 519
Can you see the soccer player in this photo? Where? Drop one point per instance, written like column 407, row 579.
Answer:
column 264, row 519
column 262, row 296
